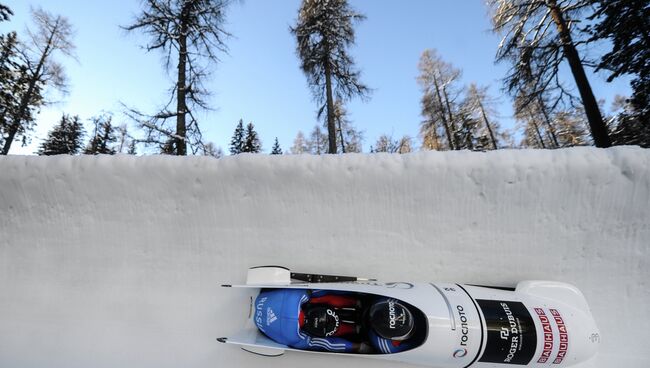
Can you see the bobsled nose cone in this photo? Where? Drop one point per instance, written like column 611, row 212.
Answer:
column 585, row 338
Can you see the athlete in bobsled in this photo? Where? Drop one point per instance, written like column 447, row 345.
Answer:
column 334, row 321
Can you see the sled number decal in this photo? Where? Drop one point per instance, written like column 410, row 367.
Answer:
column 511, row 334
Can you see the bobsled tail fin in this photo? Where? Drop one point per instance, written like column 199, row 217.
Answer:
column 554, row 290
column 255, row 342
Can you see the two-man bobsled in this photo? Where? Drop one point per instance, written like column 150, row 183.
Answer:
column 536, row 324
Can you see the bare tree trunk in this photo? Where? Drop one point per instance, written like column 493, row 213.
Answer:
column 451, row 118
column 17, row 118
column 539, row 134
column 444, row 118
column 181, row 86
column 331, row 126
column 487, row 124
column 434, row 135
column 598, row 128
column 547, row 119
column 341, row 136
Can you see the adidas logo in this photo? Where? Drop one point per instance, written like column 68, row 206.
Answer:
column 270, row 316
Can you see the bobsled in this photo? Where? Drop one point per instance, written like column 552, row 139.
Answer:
column 534, row 324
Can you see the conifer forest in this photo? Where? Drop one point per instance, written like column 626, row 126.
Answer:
column 551, row 51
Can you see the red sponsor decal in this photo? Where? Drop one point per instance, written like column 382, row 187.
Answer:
column 548, row 336
column 564, row 337
column 544, row 319
column 548, row 345
column 546, row 327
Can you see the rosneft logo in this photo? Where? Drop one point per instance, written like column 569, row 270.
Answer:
column 459, row 353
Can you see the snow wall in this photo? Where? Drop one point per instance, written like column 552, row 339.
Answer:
column 117, row 261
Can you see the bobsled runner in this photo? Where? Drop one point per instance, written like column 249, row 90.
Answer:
column 535, row 324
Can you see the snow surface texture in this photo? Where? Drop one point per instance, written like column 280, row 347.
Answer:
column 117, row 261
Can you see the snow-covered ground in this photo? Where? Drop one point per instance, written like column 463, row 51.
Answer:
column 117, row 261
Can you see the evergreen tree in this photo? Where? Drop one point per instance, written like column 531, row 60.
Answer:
column 66, row 138
column 276, row 150
column 442, row 127
column 53, row 34
column 627, row 126
column 5, row 13
column 324, row 32
column 190, row 33
column 347, row 136
column 103, row 137
column 625, row 23
column 538, row 38
column 572, row 129
column 252, row 142
column 9, row 72
column 478, row 105
column 317, row 143
column 209, row 149
column 547, row 129
column 132, row 149
column 124, row 142
column 387, row 144
column 237, row 141
column 299, row 144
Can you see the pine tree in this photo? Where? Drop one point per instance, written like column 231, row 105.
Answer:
column 237, row 141
column 276, row 150
column 529, row 120
column 124, row 141
column 209, row 149
column 538, row 37
column 66, row 138
column 103, row 137
column 627, row 126
column 347, row 136
column 189, row 33
column 10, row 70
column 317, row 143
column 132, row 149
column 5, row 13
column 53, row 34
column 442, row 127
column 572, row 128
column 386, row 144
column 324, row 32
column 478, row 105
column 299, row 144
column 625, row 24
column 252, row 142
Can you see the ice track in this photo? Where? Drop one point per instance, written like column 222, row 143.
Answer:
column 117, row 261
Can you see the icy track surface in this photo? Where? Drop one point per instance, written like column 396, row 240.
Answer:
column 117, row 261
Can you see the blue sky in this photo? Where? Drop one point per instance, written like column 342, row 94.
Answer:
column 259, row 80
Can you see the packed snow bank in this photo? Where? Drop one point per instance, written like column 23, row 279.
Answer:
column 116, row 261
